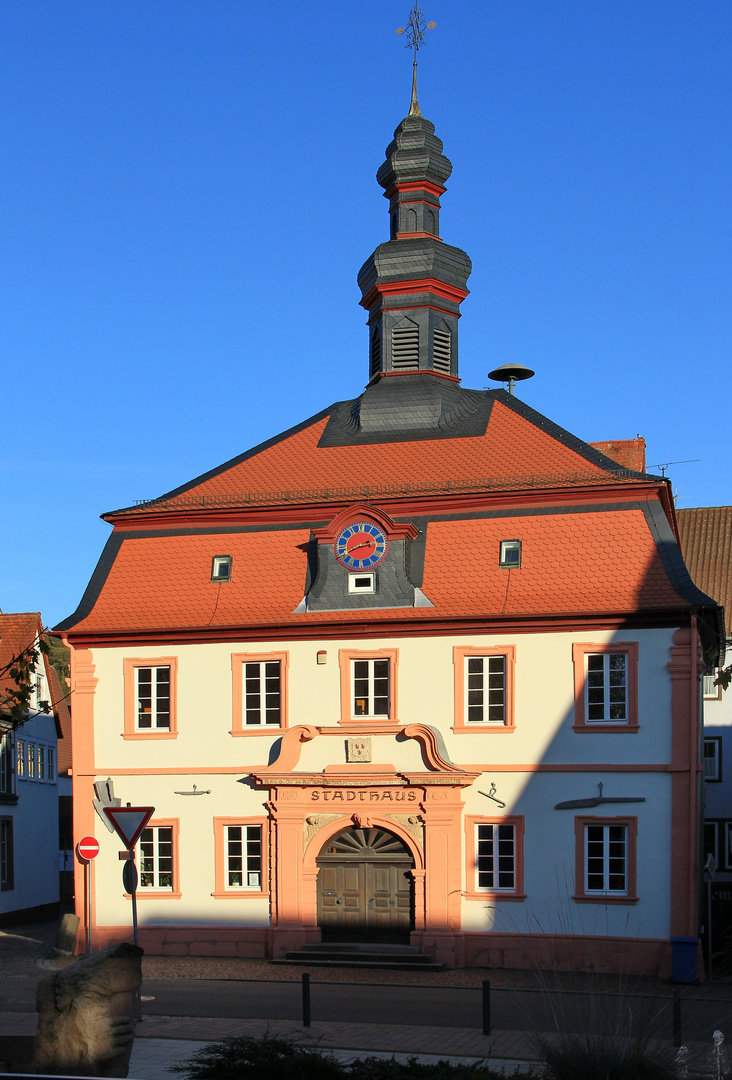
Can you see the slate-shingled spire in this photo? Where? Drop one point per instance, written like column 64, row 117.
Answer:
column 413, row 285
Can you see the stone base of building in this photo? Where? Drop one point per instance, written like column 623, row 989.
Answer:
column 524, row 952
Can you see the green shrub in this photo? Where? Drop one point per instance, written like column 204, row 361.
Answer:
column 266, row 1058
column 273, row 1058
column 605, row 1057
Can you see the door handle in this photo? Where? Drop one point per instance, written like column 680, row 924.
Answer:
column 339, row 901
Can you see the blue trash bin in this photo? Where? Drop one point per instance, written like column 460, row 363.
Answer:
column 683, row 959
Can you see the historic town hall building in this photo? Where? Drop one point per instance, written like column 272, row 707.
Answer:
column 422, row 669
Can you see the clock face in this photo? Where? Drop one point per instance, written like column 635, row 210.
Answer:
column 361, row 546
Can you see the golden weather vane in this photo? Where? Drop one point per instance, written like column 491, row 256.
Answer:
column 415, row 28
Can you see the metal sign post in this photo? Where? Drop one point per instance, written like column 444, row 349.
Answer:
column 87, row 850
column 710, row 867
column 128, row 822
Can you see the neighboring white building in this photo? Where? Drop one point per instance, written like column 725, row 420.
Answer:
column 423, row 668
column 29, row 876
column 706, row 542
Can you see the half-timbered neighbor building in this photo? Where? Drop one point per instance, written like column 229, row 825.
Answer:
column 422, row 669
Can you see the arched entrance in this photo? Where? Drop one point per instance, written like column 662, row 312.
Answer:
column 365, row 887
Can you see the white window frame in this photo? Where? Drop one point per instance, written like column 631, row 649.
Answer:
column 20, row 765
column 490, row 869
column 354, row 583
column 51, row 759
column 151, row 861
column 249, row 865
column 155, row 698
column 221, row 568
column 7, row 763
column 606, row 872
column 508, row 547
column 475, row 697
column 250, row 708
column 31, row 761
column 713, row 771
column 713, row 826
column 710, row 692
column 608, row 661
column 41, row 763
column 370, row 695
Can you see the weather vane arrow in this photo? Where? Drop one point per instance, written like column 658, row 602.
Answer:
column 415, row 28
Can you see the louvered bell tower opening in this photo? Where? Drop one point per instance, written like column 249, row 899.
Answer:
column 405, row 346
column 442, row 350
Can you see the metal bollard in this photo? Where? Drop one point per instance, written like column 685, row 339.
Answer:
column 676, row 1006
column 486, row 1006
column 305, row 999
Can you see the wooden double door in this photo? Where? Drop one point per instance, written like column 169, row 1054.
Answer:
column 365, row 887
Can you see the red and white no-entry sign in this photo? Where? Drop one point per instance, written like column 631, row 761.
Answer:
column 88, row 848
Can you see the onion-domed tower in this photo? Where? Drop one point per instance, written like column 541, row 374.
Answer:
column 414, row 283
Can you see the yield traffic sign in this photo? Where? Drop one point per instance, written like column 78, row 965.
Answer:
column 88, row 848
column 129, row 821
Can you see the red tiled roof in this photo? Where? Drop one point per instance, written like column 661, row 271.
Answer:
column 571, row 562
column 512, row 445
column 705, row 535
column 17, row 632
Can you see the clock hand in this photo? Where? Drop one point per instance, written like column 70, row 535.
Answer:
column 367, row 543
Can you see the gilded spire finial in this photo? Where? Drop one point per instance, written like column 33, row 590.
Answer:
column 414, row 30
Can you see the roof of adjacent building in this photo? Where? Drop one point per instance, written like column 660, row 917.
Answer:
column 705, row 534
column 18, row 632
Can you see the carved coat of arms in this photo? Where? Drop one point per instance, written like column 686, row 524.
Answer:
column 358, row 748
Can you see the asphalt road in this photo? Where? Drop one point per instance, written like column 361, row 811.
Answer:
column 419, row 1005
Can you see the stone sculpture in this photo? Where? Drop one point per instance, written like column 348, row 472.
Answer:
column 85, row 1014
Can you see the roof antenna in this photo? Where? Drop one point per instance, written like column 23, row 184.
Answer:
column 511, row 373
column 414, row 30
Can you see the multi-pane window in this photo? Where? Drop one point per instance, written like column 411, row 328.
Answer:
column 41, row 761
column 156, row 857
column 711, row 840
column 708, row 688
column 51, row 764
column 713, row 758
column 606, row 859
column 495, row 857
column 6, row 853
column 485, row 689
column 7, row 772
column 31, row 746
column 370, row 687
column 262, row 692
column 243, row 856
column 606, row 687
column 152, row 695
column 20, row 758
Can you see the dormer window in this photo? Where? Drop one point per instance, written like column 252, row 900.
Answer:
column 510, row 554
column 221, row 568
column 362, row 583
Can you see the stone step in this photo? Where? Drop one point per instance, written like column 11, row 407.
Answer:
column 354, row 960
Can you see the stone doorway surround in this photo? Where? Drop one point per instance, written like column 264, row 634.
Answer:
column 424, row 809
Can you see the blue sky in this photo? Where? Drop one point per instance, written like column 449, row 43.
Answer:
column 188, row 192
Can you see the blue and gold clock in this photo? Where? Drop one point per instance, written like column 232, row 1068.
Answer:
column 361, row 546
